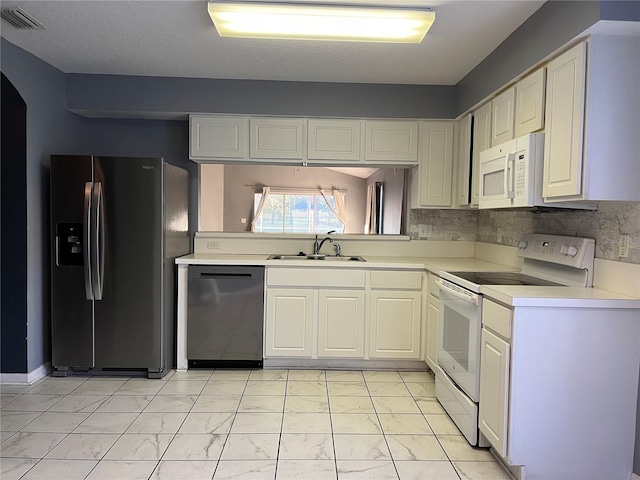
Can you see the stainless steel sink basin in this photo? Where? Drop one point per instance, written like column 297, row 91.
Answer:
column 326, row 258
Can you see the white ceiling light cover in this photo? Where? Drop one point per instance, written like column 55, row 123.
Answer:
column 320, row 22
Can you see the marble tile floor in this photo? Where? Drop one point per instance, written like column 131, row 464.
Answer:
column 236, row 424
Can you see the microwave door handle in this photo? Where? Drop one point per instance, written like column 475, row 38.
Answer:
column 465, row 298
column 508, row 175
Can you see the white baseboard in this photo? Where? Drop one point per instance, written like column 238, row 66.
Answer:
column 25, row 378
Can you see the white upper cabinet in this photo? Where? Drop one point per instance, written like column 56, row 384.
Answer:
column 502, row 116
column 432, row 178
column 592, row 120
column 530, row 103
column 481, row 141
column 276, row 138
column 462, row 161
column 565, row 111
column 217, row 137
column 333, row 139
column 391, row 141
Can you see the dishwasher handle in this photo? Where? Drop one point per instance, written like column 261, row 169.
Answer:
column 226, row 272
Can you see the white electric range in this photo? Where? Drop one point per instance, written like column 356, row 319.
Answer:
column 548, row 260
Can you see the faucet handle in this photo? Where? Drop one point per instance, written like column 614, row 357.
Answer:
column 337, row 247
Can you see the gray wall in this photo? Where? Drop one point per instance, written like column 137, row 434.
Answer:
column 238, row 191
column 141, row 97
column 50, row 128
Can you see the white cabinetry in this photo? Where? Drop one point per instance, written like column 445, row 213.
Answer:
column 462, row 161
column 592, row 120
column 217, row 137
column 289, row 325
column 535, row 393
column 395, row 314
column 314, row 312
column 433, row 311
column 333, row 139
column 494, row 375
column 530, row 103
column 502, row 115
column 432, row 179
column 341, row 323
column 391, row 141
column 276, row 138
column 481, row 141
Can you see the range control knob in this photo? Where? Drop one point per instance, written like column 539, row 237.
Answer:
column 569, row 251
column 523, row 244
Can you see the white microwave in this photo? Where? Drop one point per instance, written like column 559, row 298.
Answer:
column 511, row 173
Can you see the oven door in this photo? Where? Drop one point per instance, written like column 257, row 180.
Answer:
column 459, row 327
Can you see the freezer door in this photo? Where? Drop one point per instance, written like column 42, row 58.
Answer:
column 72, row 328
column 128, row 316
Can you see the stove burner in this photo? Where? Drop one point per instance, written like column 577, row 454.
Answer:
column 503, row 278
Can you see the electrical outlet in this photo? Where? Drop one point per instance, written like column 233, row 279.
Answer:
column 213, row 245
column 623, row 246
column 499, row 235
column 243, row 220
column 425, row 231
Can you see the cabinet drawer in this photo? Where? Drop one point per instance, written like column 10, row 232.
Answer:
column 315, row 277
column 396, row 280
column 497, row 318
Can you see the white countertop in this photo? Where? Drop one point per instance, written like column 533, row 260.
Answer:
column 433, row 264
column 565, row 297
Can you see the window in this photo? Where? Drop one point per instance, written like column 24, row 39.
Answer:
column 296, row 212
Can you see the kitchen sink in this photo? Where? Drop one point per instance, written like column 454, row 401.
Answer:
column 326, row 258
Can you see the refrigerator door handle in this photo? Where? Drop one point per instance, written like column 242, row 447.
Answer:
column 97, row 244
column 86, row 240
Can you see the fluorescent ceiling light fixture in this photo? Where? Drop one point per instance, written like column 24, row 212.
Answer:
column 302, row 21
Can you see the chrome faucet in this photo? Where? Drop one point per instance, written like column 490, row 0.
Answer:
column 318, row 245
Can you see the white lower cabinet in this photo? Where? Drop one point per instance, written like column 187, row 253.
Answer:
column 316, row 312
column 341, row 323
column 494, row 388
column 395, row 314
column 289, row 322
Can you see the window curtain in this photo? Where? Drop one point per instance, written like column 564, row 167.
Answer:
column 340, row 210
column 373, row 215
column 258, row 212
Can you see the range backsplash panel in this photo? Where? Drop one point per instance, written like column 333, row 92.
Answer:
column 606, row 225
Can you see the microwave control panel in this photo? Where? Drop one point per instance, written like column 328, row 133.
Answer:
column 521, row 174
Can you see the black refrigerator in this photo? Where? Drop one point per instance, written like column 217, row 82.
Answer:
column 117, row 224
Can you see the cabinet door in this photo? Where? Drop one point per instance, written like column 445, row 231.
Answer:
column 564, row 112
column 217, row 137
column 391, row 141
column 276, row 138
column 502, row 115
column 333, row 140
column 481, row 141
column 436, row 164
column 289, row 322
column 494, row 390
column 395, row 324
column 530, row 103
column 433, row 311
column 341, row 323
column 463, row 161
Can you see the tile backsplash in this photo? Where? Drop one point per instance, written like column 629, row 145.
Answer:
column 606, row 225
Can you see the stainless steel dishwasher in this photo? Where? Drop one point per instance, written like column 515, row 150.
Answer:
column 225, row 316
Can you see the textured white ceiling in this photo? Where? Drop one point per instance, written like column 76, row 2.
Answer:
column 176, row 38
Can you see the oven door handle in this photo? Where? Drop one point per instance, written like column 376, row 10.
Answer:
column 474, row 300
